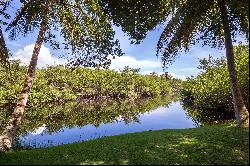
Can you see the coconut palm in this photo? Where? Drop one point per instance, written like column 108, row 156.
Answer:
column 87, row 33
column 3, row 48
column 217, row 23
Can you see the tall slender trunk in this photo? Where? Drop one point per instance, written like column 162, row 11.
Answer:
column 241, row 112
column 3, row 49
column 13, row 124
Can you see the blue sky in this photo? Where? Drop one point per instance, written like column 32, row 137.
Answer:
column 185, row 64
column 141, row 56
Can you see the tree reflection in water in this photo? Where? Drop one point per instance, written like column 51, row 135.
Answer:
column 52, row 118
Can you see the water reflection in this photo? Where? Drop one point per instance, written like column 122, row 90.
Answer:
column 71, row 122
column 202, row 116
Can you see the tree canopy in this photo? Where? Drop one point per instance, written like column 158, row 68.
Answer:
column 86, row 30
column 187, row 22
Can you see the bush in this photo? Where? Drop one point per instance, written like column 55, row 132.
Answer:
column 209, row 95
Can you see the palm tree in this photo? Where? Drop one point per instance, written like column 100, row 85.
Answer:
column 215, row 22
column 86, row 30
column 3, row 48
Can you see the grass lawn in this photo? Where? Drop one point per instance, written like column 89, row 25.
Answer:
column 219, row 144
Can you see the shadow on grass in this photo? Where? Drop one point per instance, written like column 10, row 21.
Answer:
column 220, row 144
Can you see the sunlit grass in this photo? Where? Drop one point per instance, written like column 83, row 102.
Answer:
column 220, row 144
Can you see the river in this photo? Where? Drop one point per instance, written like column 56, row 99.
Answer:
column 53, row 125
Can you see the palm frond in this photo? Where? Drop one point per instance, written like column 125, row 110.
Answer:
column 87, row 30
column 239, row 12
column 26, row 19
column 181, row 30
column 4, row 55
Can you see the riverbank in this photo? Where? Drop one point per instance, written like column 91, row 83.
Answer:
column 218, row 144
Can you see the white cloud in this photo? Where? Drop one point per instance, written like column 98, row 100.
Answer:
column 184, row 72
column 146, row 72
column 120, row 62
column 182, row 77
column 39, row 130
column 45, row 58
column 147, row 66
column 150, row 71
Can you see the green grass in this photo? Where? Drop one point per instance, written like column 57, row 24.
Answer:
column 220, row 144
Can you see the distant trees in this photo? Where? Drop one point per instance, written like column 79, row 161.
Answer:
column 59, row 84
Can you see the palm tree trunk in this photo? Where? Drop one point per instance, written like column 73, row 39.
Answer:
column 13, row 124
column 3, row 48
column 241, row 112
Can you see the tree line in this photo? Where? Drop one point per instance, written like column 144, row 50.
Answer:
column 58, row 84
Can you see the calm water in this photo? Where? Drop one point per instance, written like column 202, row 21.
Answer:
column 73, row 123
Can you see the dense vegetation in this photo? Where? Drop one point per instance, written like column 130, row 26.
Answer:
column 208, row 96
column 60, row 83
column 209, row 145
